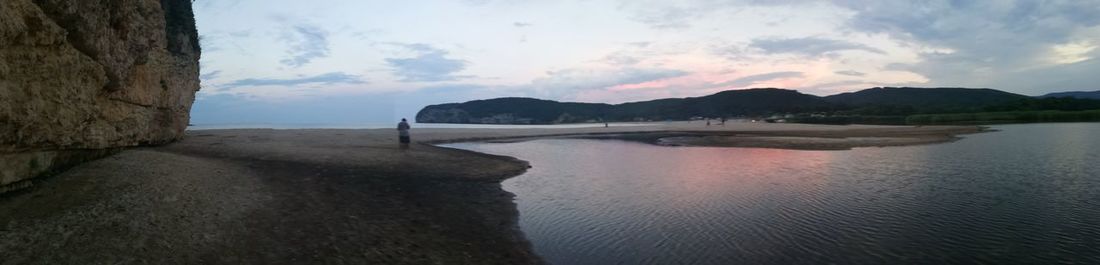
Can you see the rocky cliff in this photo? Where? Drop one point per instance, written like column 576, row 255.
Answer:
column 80, row 78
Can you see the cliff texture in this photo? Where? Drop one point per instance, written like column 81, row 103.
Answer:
column 80, row 78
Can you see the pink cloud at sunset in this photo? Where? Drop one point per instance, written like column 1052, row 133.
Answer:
column 616, row 51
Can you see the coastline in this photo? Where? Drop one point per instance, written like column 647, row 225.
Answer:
column 333, row 195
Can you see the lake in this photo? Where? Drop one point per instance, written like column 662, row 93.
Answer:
column 376, row 125
column 1025, row 194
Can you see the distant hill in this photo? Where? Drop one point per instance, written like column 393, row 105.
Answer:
column 925, row 99
column 760, row 102
column 1075, row 94
column 511, row 111
column 757, row 101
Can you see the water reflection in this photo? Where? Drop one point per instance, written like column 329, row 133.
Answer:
column 1027, row 194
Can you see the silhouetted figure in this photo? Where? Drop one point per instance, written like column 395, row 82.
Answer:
column 723, row 121
column 403, row 132
column 708, row 122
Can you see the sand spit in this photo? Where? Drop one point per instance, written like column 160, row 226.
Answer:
column 331, row 196
column 822, row 140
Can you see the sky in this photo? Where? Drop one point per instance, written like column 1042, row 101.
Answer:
column 366, row 61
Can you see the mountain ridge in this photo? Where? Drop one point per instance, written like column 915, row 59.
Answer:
column 754, row 102
column 1074, row 94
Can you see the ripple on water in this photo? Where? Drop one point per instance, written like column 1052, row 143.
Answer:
column 1027, row 194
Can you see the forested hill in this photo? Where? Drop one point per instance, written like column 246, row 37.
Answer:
column 511, row 111
column 925, row 98
column 763, row 101
column 760, row 102
column 1075, row 94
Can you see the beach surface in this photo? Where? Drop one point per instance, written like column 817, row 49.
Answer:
column 339, row 196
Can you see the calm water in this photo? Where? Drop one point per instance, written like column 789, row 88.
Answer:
column 1026, row 194
column 394, row 125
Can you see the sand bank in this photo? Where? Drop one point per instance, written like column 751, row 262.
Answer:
column 331, row 196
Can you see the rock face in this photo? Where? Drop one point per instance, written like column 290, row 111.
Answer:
column 80, row 78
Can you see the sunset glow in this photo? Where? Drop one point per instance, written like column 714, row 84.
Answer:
column 297, row 54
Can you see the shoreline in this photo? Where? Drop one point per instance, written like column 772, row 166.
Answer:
column 322, row 195
column 884, row 136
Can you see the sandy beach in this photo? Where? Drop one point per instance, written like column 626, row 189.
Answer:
column 340, row 196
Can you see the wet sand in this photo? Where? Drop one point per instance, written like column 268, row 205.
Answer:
column 332, row 196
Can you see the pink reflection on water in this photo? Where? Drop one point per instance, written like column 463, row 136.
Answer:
column 700, row 174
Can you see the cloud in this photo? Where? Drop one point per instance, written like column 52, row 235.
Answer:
column 209, row 44
column 1012, row 45
column 210, row 75
column 842, row 83
column 476, row 2
column 753, row 79
column 621, row 58
column 664, row 14
column 661, row 16
column 327, row 78
column 567, row 84
column 809, row 46
column 850, row 73
column 952, row 22
column 1079, row 76
column 306, row 43
column 630, row 54
column 985, row 43
column 431, row 65
column 241, row 34
column 831, row 88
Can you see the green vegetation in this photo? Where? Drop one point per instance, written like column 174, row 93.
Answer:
column 909, row 100
column 749, row 102
column 1066, row 103
column 1074, row 94
column 852, row 119
column 902, row 105
column 512, row 110
column 1005, row 117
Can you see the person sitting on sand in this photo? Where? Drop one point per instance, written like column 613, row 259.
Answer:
column 403, row 132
